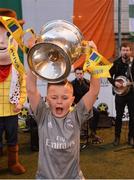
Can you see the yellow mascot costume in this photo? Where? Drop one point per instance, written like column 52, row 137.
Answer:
column 12, row 98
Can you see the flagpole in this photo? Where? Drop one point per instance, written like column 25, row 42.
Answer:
column 119, row 26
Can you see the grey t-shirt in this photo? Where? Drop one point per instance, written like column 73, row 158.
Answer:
column 59, row 142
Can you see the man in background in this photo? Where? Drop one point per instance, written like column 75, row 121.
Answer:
column 122, row 72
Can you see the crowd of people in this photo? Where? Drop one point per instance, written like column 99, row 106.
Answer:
column 60, row 125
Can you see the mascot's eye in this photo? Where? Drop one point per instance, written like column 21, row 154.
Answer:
column 8, row 34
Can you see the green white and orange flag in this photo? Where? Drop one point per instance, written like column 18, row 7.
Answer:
column 95, row 19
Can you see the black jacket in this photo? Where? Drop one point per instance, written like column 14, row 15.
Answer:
column 121, row 69
column 80, row 88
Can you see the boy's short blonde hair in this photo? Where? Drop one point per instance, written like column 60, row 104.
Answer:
column 62, row 83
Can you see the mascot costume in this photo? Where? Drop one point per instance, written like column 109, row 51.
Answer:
column 12, row 97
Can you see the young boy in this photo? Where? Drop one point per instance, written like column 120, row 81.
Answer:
column 59, row 127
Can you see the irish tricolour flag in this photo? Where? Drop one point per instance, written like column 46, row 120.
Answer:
column 94, row 18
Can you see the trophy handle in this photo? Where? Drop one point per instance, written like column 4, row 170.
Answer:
column 25, row 48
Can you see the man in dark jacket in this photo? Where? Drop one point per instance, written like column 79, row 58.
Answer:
column 122, row 72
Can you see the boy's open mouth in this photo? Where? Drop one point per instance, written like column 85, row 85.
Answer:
column 59, row 110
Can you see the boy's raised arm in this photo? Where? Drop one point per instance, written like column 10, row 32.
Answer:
column 90, row 97
column 32, row 90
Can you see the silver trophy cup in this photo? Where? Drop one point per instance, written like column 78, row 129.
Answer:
column 57, row 48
